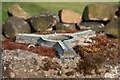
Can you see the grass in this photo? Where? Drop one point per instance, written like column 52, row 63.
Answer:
column 35, row 8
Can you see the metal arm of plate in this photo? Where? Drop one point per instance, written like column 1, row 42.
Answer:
column 64, row 50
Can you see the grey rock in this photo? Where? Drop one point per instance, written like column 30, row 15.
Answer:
column 97, row 26
column 113, row 28
column 14, row 26
column 64, row 26
column 44, row 22
column 100, row 11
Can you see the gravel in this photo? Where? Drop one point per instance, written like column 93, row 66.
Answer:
column 23, row 64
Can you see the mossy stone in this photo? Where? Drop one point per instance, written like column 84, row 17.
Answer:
column 113, row 28
column 43, row 22
column 99, row 11
column 14, row 26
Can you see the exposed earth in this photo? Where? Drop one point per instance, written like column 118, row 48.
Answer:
column 98, row 60
column 98, row 56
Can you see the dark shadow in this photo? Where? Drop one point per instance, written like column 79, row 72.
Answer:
column 111, row 36
column 77, row 27
column 118, row 12
column 9, row 14
column 59, row 14
column 54, row 28
column 100, row 21
column 29, row 22
column 85, row 14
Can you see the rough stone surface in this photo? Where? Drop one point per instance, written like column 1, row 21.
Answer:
column 69, row 16
column 17, row 11
column 2, row 37
column 23, row 64
column 118, row 12
column 91, row 25
column 99, row 60
column 15, row 25
column 113, row 28
column 44, row 22
column 64, row 26
column 99, row 11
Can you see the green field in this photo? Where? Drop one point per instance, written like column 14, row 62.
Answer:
column 35, row 8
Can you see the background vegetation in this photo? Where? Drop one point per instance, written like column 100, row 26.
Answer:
column 35, row 8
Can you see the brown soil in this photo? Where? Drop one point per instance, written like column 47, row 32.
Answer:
column 95, row 59
column 103, row 51
column 11, row 45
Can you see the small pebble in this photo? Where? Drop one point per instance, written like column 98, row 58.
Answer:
column 12, row 74
column 25, row 70
column 5, row 67
column 31, row 70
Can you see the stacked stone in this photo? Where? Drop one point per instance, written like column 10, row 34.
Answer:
column 96, row 16
column 16, row 22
